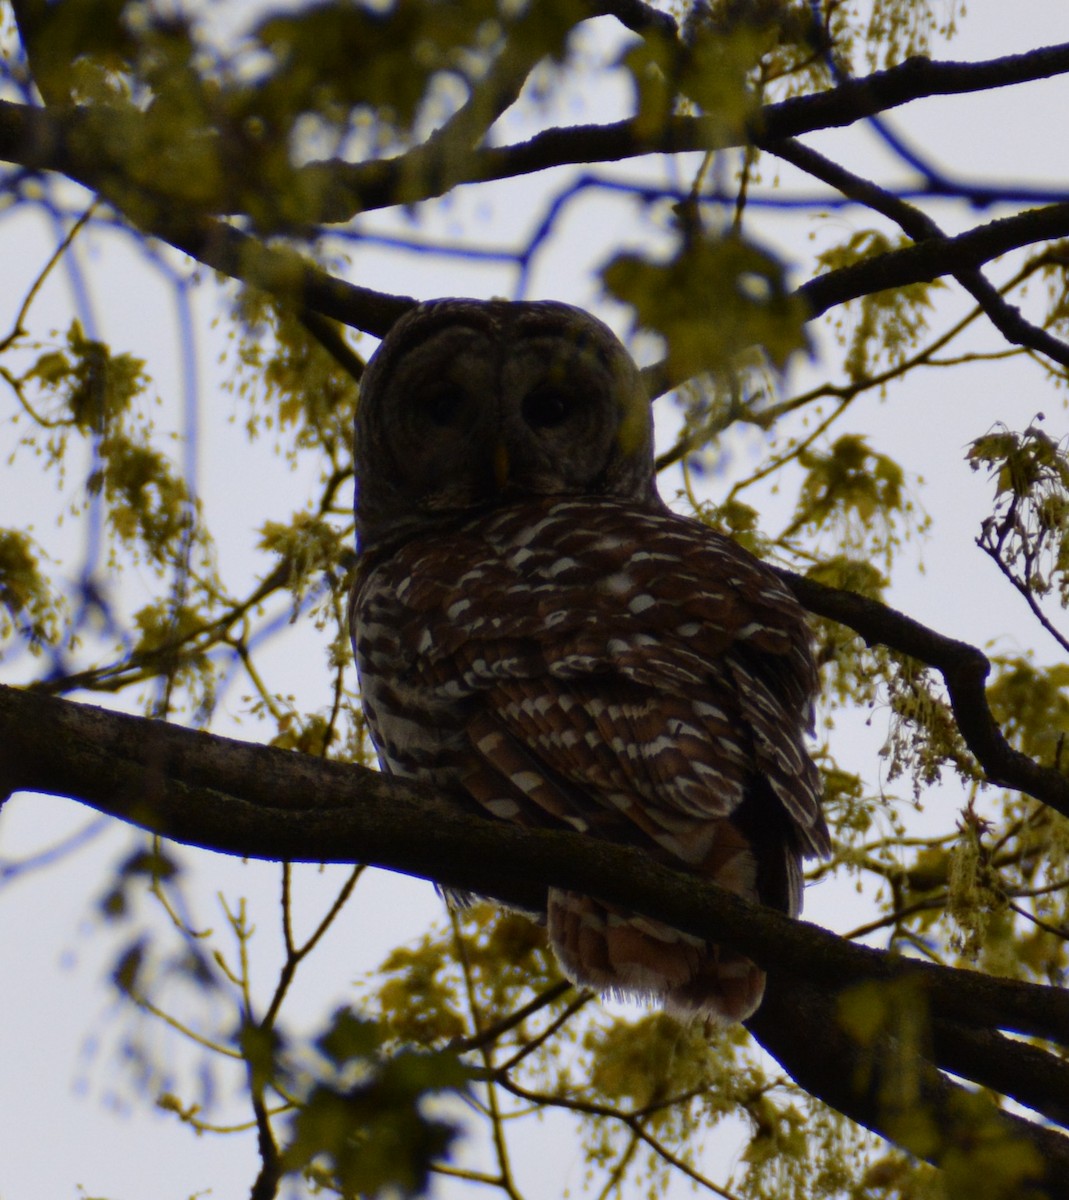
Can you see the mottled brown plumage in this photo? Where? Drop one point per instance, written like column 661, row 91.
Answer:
column 537, row 633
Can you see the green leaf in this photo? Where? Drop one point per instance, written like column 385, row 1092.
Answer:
column 715, row 299
column 349, row 1037
column 373, row 1135
column 61, row 35
column 714, row 70
column 851, row 479
column 261, row 1047
column 332, row 57
column 1031, row 705
column 887, row 325
column 30, row 608
column 128, row 969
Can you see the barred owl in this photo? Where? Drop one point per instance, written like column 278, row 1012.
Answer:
column 536, row 633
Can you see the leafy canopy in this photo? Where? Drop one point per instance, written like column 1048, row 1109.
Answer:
column 274, row 172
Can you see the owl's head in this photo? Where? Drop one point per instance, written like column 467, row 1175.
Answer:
column 469, row 405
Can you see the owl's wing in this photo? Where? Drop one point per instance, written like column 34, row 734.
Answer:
column 624, row 672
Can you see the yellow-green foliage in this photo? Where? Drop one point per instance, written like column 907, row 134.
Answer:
column 1028, row 532
column 28, row 607
column 885, row 327
column 923, row 734
column 313, row 50
column 471, row 1027
column 1032, row 706
column 878, row 34
column 713, row 73
column 717, row 298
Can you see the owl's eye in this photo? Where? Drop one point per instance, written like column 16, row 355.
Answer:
column 546, row 406
column 443, row 405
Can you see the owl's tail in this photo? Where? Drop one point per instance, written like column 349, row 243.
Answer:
column 630, row 956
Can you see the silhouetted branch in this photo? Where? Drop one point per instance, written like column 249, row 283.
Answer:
column 60, row 141
column 76, row 142
column 283, row 274
column 258, row 801
column 921, row 228
column 898, row 1095
column 638, row 17
column 964, row 669
column 1033, row 1077
column 934, row 257
column 374, row 185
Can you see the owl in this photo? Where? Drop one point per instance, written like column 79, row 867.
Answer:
column 540, row 637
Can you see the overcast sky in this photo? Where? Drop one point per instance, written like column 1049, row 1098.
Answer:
column 68, row 1116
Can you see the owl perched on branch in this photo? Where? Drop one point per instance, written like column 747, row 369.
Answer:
column 537, row 633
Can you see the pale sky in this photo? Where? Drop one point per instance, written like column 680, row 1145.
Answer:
column 68, row 1118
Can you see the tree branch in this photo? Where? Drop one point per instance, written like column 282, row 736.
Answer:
column 640, row 18
column 919, row 226
column 45, row 140
column 282, row 273
column 934, row 257
column 1029, row 1075
column 964, row 669
column 258, row 801
column 902, row 1097
column 374, row 185
column 78, row 144
column 64, row 143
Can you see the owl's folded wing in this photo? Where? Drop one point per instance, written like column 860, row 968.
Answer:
column 625, row 673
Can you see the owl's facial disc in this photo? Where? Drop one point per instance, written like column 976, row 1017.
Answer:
column 467, row 406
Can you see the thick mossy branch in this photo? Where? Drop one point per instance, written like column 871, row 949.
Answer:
column 260, row 802
column 905, row 1098
column 257, row 801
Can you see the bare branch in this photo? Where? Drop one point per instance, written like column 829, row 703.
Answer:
column 919, row 226
column 934, row 257
column 374, row 185
column 964, row 669
column 640, row 18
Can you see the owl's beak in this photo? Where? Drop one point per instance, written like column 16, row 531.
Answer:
column 501, row 465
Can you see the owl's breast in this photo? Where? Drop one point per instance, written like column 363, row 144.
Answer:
column 414, row 727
